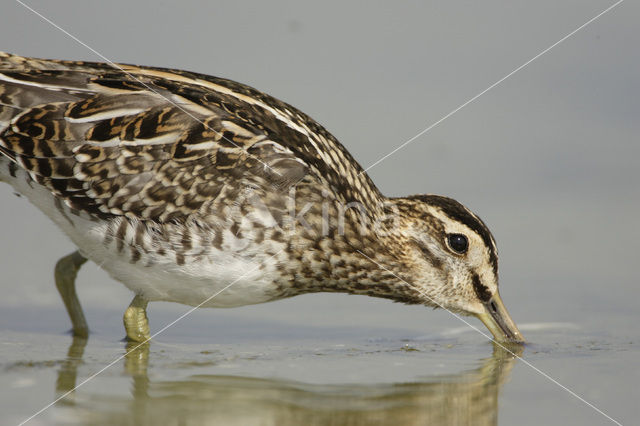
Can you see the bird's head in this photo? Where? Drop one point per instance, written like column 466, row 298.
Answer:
column 453, row 260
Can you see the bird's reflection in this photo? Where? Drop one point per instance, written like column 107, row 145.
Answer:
column 69, row 370
column 469, row 397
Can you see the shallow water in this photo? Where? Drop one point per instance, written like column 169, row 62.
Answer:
column 219, row 384
column 246, row 371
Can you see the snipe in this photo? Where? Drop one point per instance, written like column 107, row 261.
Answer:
column 203, row 191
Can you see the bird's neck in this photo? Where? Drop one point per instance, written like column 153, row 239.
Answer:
column 360, row 256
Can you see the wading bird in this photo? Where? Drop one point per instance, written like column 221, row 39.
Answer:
column 203, row 191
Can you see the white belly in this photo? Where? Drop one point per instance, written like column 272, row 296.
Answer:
column 226, row 283
column 223, row 278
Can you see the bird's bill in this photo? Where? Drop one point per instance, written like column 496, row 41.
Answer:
column 499, row 322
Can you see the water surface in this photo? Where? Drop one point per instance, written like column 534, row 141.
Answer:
column 255, row 372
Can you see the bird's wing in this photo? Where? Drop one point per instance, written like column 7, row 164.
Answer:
column 157, row 144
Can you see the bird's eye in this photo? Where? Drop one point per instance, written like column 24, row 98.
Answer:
column 458, row 243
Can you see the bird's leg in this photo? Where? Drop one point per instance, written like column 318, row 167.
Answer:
column 66, row 272
column 135, row 320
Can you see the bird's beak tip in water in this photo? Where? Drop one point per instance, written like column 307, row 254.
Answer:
column 499, row 322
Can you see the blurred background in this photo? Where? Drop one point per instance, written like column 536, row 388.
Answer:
column 549, row 158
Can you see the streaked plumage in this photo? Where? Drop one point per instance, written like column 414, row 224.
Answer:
column 179, row 183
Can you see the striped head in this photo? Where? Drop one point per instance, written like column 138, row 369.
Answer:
column 454, row 260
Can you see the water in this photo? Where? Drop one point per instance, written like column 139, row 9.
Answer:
column 549, row 159
column 222, row 384
column 222, row 367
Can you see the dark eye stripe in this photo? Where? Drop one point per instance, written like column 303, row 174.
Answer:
column 482, row 291
column 428, row 254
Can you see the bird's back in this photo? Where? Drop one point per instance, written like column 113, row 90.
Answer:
column 159, row 144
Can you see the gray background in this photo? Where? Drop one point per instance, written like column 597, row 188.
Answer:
column 549, row 158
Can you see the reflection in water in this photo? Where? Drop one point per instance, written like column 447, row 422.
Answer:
column 69, row 369
column 470, row 397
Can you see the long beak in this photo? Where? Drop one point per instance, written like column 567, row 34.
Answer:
column 499, row 322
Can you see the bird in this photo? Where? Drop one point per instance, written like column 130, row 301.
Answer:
column 204, row 191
